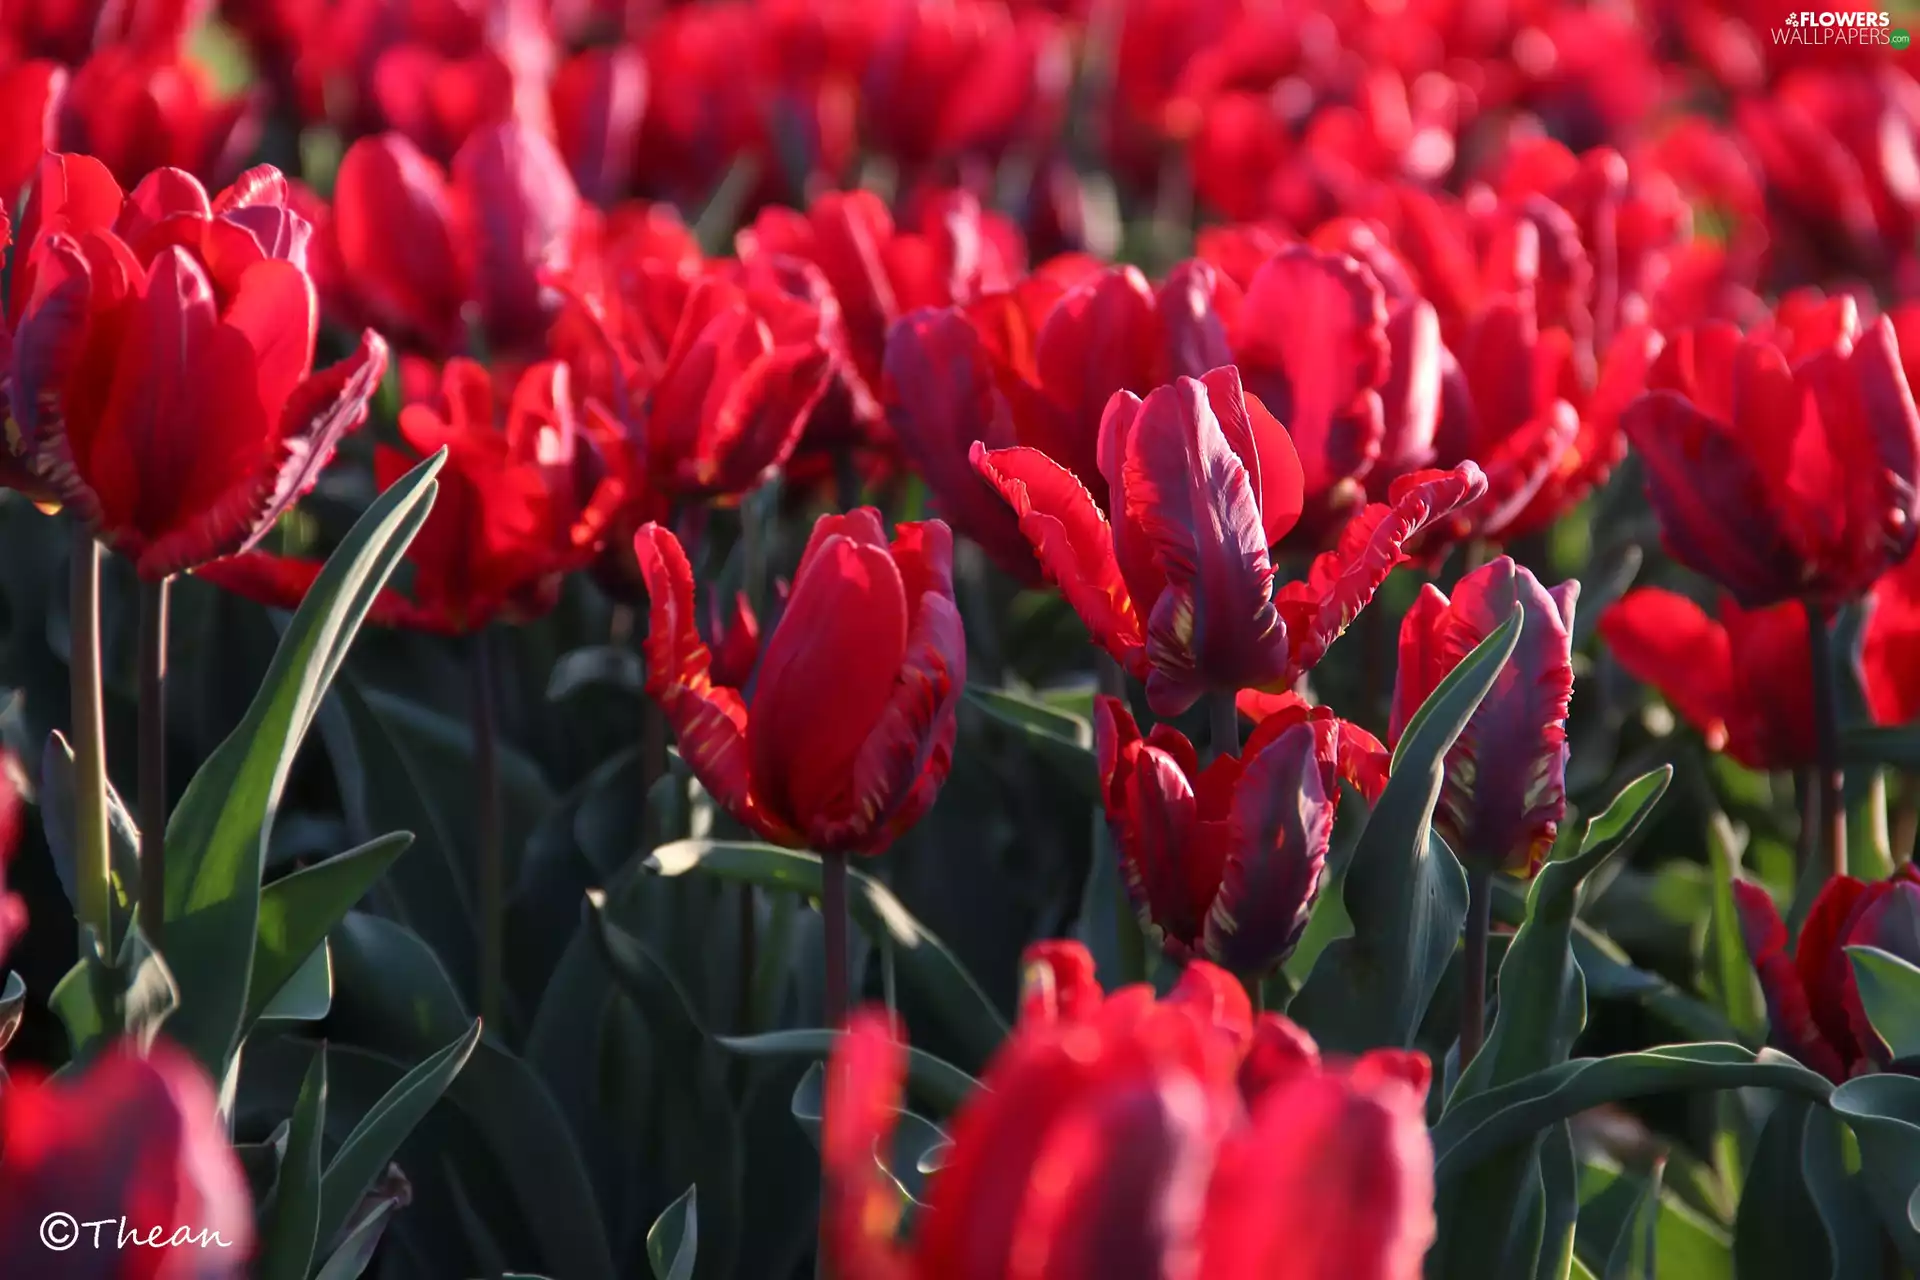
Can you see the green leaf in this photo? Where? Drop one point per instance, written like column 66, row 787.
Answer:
column 1107, row 925
column 1896, row 745
column 599, row 666
column 1729, row 972
column 702, row 1099
column 1830, row 1160
column 924, row 962
column 1690, row 1246
column 219, row 832
column 305, row 997
column 1560, row 1195
column 1481, row 1125
column 1777, row 1233
column 1884, row 1113
column 914, row 1151
column 357, row 1165
column 674, row 1238
column 350, row 1260
column 1061, row 738
column 937, row 1084
column 1636, row 1251
column 1405, row 893
column 298, row 911
column 98, row 1002
column 1890, row 990
column 1542, row 1009
column 293, row 1227
column 57, row 819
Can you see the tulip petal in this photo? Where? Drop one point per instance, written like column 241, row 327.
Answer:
column 865, row 1079
column 393, row 224
column 1341, row 581
column 1788, row 1016
column 709, row 722
column 1281, row 825
column 1214, row 625
column 1664, row 639
column 1058, row 983
column 1072, row 541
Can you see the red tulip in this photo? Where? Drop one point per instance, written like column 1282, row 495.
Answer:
column 1890, row 647
column 30, row 96
column 850, row 732
column 599, row 97
column 1813, row 1003
column 130, row 1144
column 13, row 909
column 1178, row 587
column 528, row 493
column 163, row 382
column 67, row 30
column 1505, row 790
column 1741, row 679
column 139, row 112
column 1123, row 1136
column 416, row 249
column 1225, row 862
column 1783, row 467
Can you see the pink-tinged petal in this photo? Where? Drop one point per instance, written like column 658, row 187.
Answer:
column 906, row 757
column 160, row 196
column 939, row 390
column 1263, row 446
column 393, row 224
column 1790, row 1022
column 599, row 96
column 1505, row 791
column 1717, row 511
column 709, row 722
column 1280, row 1050
column 71, row 195
column 866, row 1076
column 1341, row 581
column 1217, row 999
column 1058, row 983
column 1410, row 396
column 1311, row 341
column 1890, row 650
column 1073, row 543
column 519, row 205
column 1132, row 547
column 827, row 681
column 1281, row 824
column 1196, row 340
column 1333, row 1178
column 1664, row 639
column 1214, row 626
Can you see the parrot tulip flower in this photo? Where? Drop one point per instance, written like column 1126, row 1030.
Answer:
column 1225, row 862
column 137, row 1140
column 1505, row 789
column 1178, row 586
column 1119, row 1135
column 1740, row 679
column 162, row 368
column 1784, row 466
column 1813, row 1002
column 849, row 733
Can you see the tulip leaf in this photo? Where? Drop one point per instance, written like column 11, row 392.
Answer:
column 293, row 1215
column 697, row 1091
column 1636, row 1249
column 1479, row 1126
column 1894, row 745
column 1107, row 924
column 305, row 997
column 1061, row 738
column 1560, row 1204
column 597, row 666
column 1890, row 991
column 98, row 1002
column 219, row 834
column 1542, row 1009
column 924, row 962
column 298, row 911
column 674, row 1238
column 1729, row 971
column 57, row 818
column 357, row 1165
column 1688, row 1245
column 1405, row 892
column 936, row 1083
column 351, row 1259
column 914, row 1150
column 13, row 1006
column 1829, row 1161
column 1778, row 1233
column 1884, row 1113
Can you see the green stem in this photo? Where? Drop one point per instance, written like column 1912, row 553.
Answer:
column 493, row 871
column 1473, row 990
column 1826, row 711
column 153, row 760
column 91, row 868
column 833, row 906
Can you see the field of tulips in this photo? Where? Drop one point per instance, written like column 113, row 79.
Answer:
column 959, row 640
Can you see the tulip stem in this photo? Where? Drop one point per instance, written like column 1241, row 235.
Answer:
column 833, row 906
column 92, row 871
column 1473, row 987
column 1826, row 711
column 1223, row 727
column 154, row 599
column 493, row 871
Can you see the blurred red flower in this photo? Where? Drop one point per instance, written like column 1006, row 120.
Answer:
column 30, row 97
column 849, row 732
column 131, row 1136
column 1120, row 1135
column 1740, row 679
column 1813, row 1002
column 137, row 112
column 599, row 99
column 68, row 30
column 1505, row 789
column 1224, row 862
column 162, row 371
